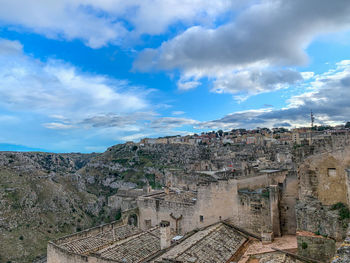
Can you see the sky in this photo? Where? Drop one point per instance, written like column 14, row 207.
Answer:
column 83, row 75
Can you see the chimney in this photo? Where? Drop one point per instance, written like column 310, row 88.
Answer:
column 166, row 190
column 165, row 238
column 147, row 188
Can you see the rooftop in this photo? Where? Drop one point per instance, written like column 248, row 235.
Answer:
column 133, row 249
column 124, row 243
column 90, row 243
column 216, row 243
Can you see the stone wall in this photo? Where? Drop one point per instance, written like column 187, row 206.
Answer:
column 254, row 210
column 57, row 255
column 153, row 211
column 324, row 177
column 314, row 217
column 323, row 182
column 289, row 195
column 315, row 246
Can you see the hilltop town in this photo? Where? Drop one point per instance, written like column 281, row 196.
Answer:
column 262, row 195
column 259, row 136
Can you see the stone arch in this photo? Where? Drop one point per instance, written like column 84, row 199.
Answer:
column 133, row 220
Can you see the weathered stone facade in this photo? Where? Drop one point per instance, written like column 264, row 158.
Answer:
column 247, row 201
column 323, row 183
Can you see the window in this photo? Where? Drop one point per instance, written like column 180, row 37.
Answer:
column 201, row 218
column 332, row 172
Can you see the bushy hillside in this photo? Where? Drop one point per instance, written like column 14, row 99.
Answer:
column 40, row 199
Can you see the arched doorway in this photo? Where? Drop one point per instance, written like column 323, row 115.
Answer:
column 132, row 220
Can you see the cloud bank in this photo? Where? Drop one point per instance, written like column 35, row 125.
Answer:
column 101, row 22
column 252, row 53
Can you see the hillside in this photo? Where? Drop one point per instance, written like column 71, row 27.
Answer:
column 40, row 199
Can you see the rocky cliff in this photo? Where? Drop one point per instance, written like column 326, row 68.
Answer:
column 41, row 199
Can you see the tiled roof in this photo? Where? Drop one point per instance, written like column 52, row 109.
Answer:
column 134, row 249
column 86, row 245
column 217, row 243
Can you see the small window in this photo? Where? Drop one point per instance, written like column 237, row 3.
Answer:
column 201, row 218
column 332, row 172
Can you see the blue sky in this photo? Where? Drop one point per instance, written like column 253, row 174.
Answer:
column 80, row 76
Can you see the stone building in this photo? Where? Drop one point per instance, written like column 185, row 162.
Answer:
column 253, row 203
column 323, row 180
column 126, row 198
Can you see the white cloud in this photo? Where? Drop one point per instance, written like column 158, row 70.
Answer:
column 307, row 75
column 168, row 123
column 57, row 126
column 100, row 22
column 135, row 137
column 328, row 99
column 187, row 85
column 60, row 91
column 177, row 113
column 268, row 36
column 255, row 81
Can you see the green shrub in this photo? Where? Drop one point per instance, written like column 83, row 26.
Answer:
column 266, row 193
column 344, row 211
column 337, row 206
column 304, row 245
column 21, row 238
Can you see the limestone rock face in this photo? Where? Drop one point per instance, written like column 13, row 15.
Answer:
column 40, row 198
column 343, row 252
column 314, row 217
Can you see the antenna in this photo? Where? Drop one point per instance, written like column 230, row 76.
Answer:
column 312, row 119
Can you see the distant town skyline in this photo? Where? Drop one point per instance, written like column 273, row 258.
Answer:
column 80, row 76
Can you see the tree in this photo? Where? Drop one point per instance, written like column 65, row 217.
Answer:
column 347, row 125
column 220, row 132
